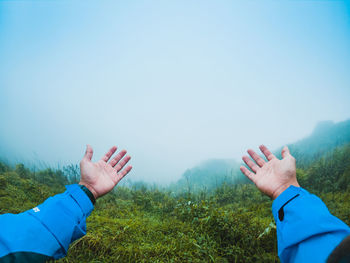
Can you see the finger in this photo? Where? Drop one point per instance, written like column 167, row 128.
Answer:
column 123, row 173
column 269, row 156
column 108, row 155
column 122, row 163
column 250, row 164
column 88, row 153
column 117, row 158
column 247, row 173
column 285, row 152
column 260, row 161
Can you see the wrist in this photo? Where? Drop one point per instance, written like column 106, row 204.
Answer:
column 282, row 188
column 91, row 189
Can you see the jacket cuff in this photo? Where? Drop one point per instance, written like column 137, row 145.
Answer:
column 88, row 193
column 283, row 199
column 81, row 198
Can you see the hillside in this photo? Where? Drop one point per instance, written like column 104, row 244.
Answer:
column 229, row 222
column 232, row 224
column 326, row 136
column 210, row 174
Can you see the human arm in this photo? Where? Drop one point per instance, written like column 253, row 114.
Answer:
column 46, row 231
column 306, row 230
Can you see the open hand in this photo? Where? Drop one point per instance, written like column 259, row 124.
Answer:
column 102, row 176
column 274, row 176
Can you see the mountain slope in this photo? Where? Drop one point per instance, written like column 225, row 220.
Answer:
column 326, row 136
column 324, row 139
column 208, row 175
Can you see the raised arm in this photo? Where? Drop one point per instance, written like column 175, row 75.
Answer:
column 46, row 231
column 306, row 231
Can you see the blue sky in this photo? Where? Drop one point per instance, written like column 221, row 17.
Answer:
column 173, row 82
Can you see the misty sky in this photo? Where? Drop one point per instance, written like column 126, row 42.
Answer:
column 173, row 82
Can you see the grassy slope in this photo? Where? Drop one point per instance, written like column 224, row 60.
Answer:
column 154, row 226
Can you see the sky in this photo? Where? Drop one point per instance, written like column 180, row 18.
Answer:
column 172, row 82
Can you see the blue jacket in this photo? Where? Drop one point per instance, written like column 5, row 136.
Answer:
column 45, row 231
column 306, row 231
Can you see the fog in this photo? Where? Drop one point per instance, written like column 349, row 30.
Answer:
column 174, row 83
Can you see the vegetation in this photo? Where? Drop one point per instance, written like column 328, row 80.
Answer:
column 213, row 172
column 228, row 222
column 324, row 139
column 232, row 223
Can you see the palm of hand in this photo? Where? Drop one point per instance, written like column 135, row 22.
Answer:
column 102, row 176
column 274, row 176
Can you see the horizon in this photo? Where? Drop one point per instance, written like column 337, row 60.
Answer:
column 40, row 165
column 173, row 83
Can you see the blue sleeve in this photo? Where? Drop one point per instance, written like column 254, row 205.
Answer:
column 49, row 228
column 306, row 230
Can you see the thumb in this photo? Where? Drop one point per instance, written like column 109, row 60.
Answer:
column 285, row 152
column 88, row 153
